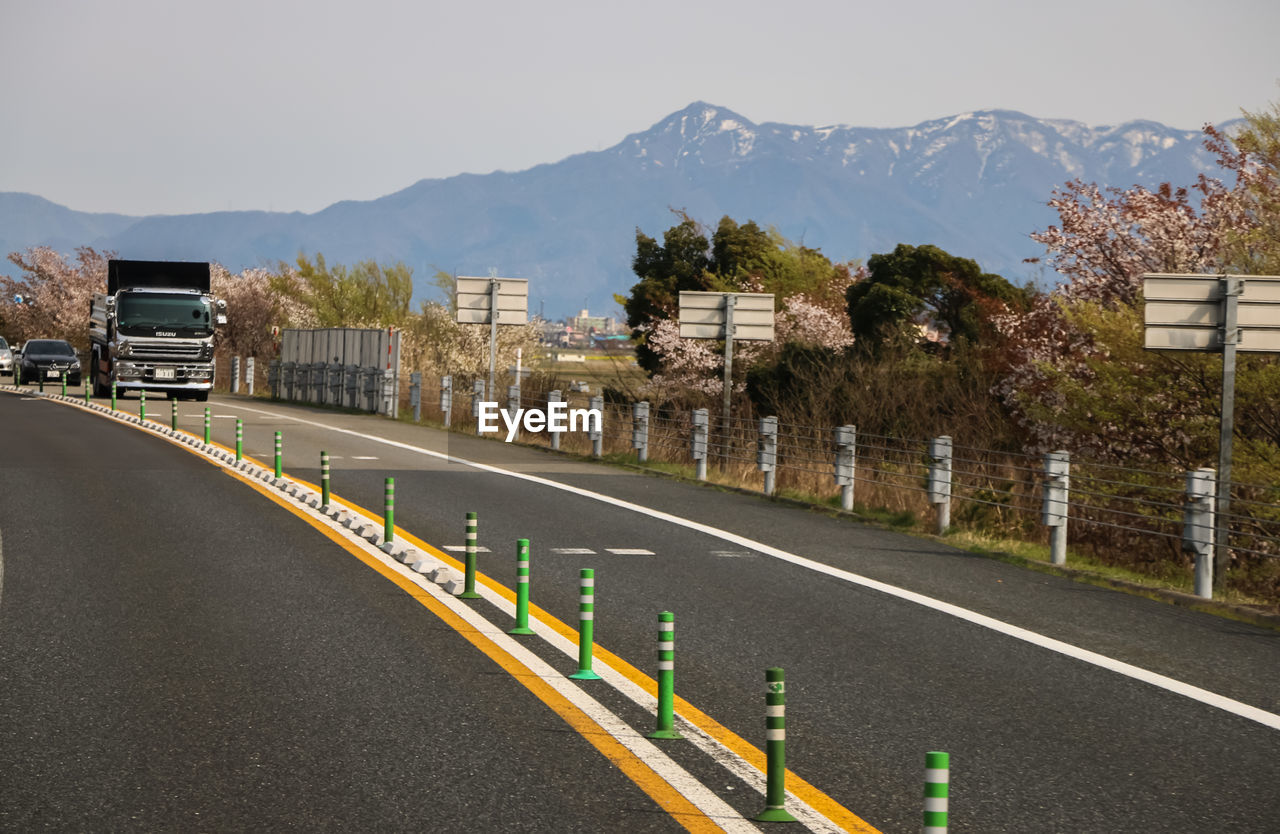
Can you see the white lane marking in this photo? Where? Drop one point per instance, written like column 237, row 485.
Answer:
column 363, row 457
column 573, row 551
column 462, row 548
column 629, row 551
column 1169, row 684
column 733, row 554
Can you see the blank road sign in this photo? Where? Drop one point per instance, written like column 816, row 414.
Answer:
column 702, row 315
column 474, row 301
column 1185, row 312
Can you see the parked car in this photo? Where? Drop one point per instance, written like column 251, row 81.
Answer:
column 46, row 359
column 6, row 358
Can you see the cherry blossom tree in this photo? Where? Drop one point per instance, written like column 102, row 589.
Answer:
column 55, row 292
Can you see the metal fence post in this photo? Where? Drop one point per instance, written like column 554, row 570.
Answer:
column 477, row 397
column 335, row 383
column 352, row 375
column 846, row 459
column 513, row 401
column 235, row 374
column 596, row 433
column 446, row 399
column 940, row 480
column 553, row 436
column 698, row 442
column 274, row 371
column 767, row 452
column 1057, row 483
column 640, row 430
column 415, row 395
column 289, row 371
column 248, row 376
column 1198, row 523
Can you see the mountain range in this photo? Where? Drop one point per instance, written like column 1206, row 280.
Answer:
column 975, row 184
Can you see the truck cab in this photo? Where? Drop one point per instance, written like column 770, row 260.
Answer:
column 153, row 329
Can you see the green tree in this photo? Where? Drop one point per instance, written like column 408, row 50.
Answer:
column 924, row 286
column 365, row 295
column 734, row 258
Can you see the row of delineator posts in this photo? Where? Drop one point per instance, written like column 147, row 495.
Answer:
column 937, row 774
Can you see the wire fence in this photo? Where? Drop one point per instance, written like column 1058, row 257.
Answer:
column 1129, row 516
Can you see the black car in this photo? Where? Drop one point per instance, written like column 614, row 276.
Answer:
column 46, row 359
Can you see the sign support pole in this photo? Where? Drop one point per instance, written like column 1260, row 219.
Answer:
column 730, row 301
column 493, row 334
column 1231, row 289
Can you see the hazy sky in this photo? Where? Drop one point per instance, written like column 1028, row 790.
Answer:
column 167, row 106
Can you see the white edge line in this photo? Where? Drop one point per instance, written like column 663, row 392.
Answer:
column 1169, row 684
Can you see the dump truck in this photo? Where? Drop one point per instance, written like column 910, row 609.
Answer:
column 153, row 329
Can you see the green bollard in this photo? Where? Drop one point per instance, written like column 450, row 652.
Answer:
column 522, row 588
column 775, row 723
column 239, row 439
column 113, row 396
column 208, row 433
column 324, row 480
column 142, row 404
column 586, row 625
column 666, row 727
column 389, row 511
column 937, row 779
column 279, row 455
column 63, row 374
column 469, row 576
column 86, row 393
column 173, row 414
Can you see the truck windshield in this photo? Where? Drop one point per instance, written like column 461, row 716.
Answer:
column 147, row 313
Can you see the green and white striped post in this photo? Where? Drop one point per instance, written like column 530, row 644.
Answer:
column 522, row 588
column 279, row 455
column 173, row 414
column 469, row 575
column 142, row 404
column 389, row 511
column 775, row 723
column 113, row 395
column 208, row 428
column 87, row 387
column 63, row 374
column 586, row 624
column 324, row 479
column 666, row 727
column 937, row 788
column 239, row 439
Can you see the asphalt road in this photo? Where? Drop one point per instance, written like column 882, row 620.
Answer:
column 177, row 652
column 1039, row 740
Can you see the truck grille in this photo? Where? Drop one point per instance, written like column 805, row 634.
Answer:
column 166, row 351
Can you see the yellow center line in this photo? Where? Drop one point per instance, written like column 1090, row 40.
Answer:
column 815, row 797
column 665, row 795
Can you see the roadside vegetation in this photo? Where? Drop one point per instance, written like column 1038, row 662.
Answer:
column 914, row 343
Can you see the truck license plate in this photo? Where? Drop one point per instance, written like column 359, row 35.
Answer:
column 164, row 373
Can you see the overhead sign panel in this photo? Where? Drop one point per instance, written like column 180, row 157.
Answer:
column 476, row 302
column 703, row 314
column 1186, row 312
